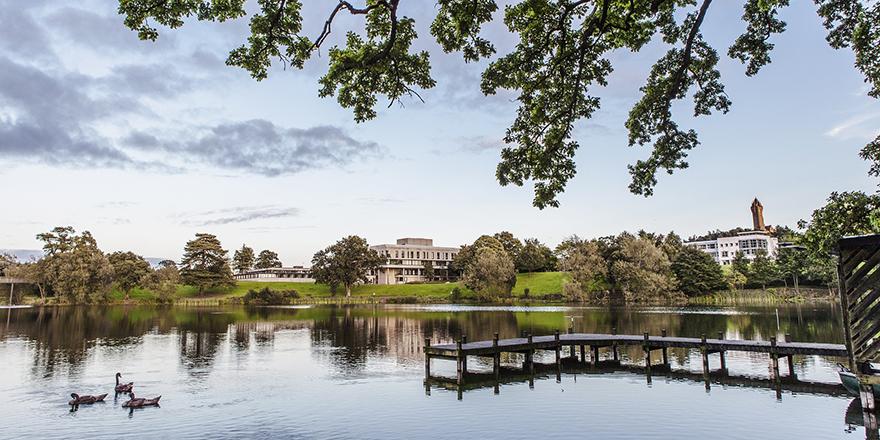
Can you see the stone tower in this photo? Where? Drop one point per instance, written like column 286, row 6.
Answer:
column 758, row 215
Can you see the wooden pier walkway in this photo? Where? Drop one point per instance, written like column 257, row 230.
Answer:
column 593, row 342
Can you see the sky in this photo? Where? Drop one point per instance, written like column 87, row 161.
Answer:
column 147, row 143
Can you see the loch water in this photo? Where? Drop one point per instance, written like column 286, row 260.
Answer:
column 358, row 372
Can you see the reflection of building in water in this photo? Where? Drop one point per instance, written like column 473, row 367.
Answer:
column 749, row 243
column 292, row 274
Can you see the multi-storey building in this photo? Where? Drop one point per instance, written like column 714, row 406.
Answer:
column 749, row 243
column 298, row 274
column 409, row 259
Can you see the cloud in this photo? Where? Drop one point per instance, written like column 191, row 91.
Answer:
column 854, row 126
column 239, row 214
column 260, row 147
column 97, row 31
column 22, row 35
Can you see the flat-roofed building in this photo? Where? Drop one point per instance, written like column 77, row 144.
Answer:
column 296, row 274
column 407, row 260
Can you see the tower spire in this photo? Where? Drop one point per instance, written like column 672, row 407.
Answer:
column 758, row 215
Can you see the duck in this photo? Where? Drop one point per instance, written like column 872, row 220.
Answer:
column 123, row 387
column 139, row 402
column 85, row 400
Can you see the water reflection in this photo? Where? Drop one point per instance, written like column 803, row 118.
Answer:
column 237, row 368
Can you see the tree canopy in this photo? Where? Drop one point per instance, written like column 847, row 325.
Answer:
column 267, row 260
column 129, row 270
column 243, row 259
column 696, row 272
column 346, row 262
column 562, row 57
column 205, row 264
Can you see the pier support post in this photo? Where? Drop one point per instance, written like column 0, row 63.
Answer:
column 571, row 347
column 614, row 354
column 647, row 348
column 558, row 357
column 866, row 395
column 594, row 355
column 584, row 354
column 721, row 354
column 704, row 351
column 496, row 358
column 665, row 351
column 463, row 358
column 530, row 354
column 459, row 361
column 427, row 359
column 774, row 358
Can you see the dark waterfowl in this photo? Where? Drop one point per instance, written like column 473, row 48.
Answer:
column 85, row 400
column 123, row 387
column 139, row 402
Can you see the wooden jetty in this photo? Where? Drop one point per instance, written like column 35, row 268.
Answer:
column 593, row 342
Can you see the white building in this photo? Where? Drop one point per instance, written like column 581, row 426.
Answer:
column 406, row 261
column 750, row 243
column 296, row 274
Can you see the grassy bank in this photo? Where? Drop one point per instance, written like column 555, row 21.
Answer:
column 541, row 287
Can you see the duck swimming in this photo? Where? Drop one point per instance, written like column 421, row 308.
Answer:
column 140, row 402
column 123, row 387
column 85, row 400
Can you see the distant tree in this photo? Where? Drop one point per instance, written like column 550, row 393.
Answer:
column 491, row 273
column 764, row 270
column 205, row 264
column 345, row 263
column 168, row 263
column 467, row 253
column 735, row 280
column 267, row 260
column 672, row 245
column 7, row 262
column 35, row 272
column 696, row 272
column 792, row 264
column 641, row 271
column 82, row 273
column 511, row 244
column 164, row 281
column 243, row 259
column 740, row 264
column 582, row 260
column 428, row 270
column 129, row 269
column 535, row 257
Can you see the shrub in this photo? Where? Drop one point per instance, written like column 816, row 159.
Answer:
column 526, row 292
column 455, row 295
column 269, row 297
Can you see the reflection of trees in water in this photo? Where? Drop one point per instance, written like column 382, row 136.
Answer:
column 65, row 336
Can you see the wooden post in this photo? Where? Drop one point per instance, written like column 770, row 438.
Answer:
column 530, row 356
column 11, row 289
column 614, row 345
column 647, row 348
column 721, row 354
column 558, row 357
column 704, row 350
column 665, row 354
column 844, row 307
column 571, row 347
column 427, row 359
column 595, row 355
column 458, row 363
column 583, row 355
column 464, row 358
column 774, row 358
column 496, row 359
column 790, row 358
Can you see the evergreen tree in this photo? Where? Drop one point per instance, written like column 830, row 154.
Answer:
column 243, row 259
column 696, row 272
column 204, row 264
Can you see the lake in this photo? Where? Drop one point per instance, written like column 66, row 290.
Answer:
column 358, row 372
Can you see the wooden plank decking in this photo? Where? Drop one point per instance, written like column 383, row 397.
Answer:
column 548, row 342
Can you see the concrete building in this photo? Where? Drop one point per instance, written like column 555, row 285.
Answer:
column 296, row 274
column 749, row 243
column 406, row 261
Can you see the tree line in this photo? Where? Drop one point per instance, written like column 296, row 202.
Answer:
column 75, row 270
